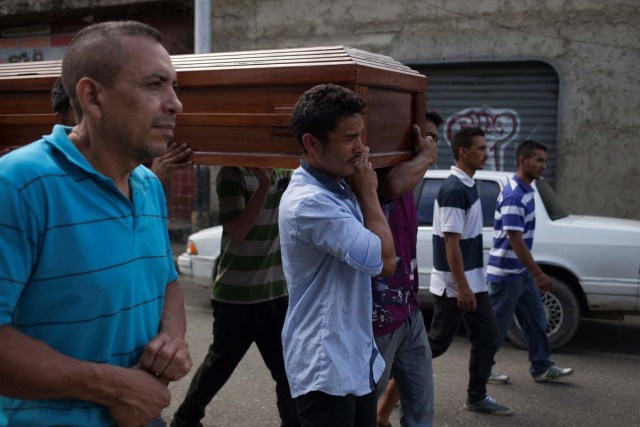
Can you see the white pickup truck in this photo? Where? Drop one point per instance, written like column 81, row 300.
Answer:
column 593, row 261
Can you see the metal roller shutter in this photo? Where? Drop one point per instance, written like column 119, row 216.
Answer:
column 511, row 101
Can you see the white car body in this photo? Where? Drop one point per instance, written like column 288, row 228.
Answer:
column 594, row 261
column 200, row 259
column 596, row 258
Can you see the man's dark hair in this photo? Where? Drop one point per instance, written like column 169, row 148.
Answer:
column 95, row 52
column 320, row 109
column 527, row 149
column 59, row 98
column 464, row 138
column 434, row 118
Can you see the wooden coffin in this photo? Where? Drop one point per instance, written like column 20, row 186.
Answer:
column 237, row 105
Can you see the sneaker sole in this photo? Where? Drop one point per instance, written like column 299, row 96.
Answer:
column 502, row 412
column 499, row 382
column 552, row 380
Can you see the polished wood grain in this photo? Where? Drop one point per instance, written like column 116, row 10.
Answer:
column 237, row 105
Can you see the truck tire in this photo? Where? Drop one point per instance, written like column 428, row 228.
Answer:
column 563, row 317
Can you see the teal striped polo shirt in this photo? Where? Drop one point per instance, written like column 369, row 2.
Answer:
column 82, row 267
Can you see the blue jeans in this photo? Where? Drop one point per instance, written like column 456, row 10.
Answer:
column 522, row 298
column 407, row 358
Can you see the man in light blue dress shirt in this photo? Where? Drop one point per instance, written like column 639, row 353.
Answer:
column 334, row 238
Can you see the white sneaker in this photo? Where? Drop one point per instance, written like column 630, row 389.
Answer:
column 498, row 378
column 553, row 374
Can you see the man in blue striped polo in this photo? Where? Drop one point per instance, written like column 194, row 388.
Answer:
column 515, row 280
column 92, row 318
column 458, row 283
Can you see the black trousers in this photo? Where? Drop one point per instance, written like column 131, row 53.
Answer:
column 235, row 328
column 318, row 409
column 482, row 331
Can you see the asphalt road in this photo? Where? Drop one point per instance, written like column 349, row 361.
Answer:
column 604, row 390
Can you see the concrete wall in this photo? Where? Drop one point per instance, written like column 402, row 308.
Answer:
column 594, row 45
column 17, row 7
column 60, row 19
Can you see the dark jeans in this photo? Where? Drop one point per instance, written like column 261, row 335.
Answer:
column 318, row 409
column 482, row 331
column 235, row 328
column 522, row 297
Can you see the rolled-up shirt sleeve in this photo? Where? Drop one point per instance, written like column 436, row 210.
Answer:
column 336, row 230
column 366, row 253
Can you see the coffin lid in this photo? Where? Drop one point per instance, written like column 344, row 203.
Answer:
column 237, row 105
column 342, row 64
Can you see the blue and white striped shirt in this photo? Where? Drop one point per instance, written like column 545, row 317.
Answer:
column 457, row 209
column 515, row 211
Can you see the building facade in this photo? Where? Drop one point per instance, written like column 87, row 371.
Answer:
column 563, row 72
column 592, row 48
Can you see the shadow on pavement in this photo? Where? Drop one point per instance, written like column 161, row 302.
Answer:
column 611, row 336
column 594, row 335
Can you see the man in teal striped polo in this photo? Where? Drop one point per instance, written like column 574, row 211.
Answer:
column 92, row 317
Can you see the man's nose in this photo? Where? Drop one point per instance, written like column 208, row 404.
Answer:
column 173, row 104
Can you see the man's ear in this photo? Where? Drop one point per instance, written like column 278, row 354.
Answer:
column 309, row 142
column 88, row 93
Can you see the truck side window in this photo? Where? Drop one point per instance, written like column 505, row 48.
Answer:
column 426, row 199
column 488, row 191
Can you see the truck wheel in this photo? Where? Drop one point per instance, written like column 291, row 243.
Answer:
column 563, row 317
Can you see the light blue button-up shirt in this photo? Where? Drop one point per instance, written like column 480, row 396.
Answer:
column 328, row 258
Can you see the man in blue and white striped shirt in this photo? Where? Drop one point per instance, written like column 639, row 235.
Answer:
column 515, row 280
column 458, row 282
